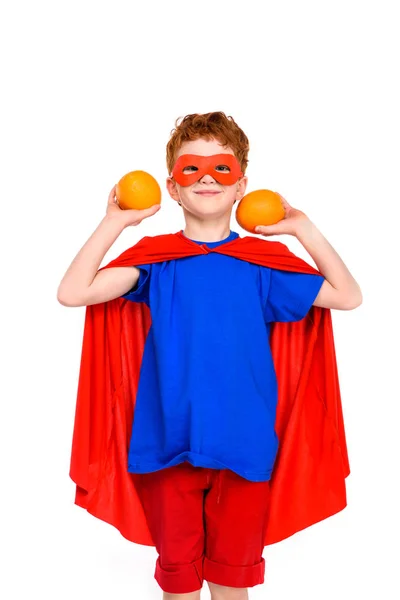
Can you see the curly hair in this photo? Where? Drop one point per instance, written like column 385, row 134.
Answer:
column 214, row 125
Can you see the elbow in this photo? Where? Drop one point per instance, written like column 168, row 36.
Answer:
column 66, row 300
column 63, row 300
column 354, row 301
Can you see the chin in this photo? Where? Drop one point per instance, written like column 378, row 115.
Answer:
column 219, row 203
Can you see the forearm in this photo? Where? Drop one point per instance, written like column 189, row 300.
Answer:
column 327, row 260
column 82, row 271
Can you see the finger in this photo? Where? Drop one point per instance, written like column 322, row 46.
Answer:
column 266, row 229
column 153, row 209
column 284, row 202
column 147, row 212
column 111, row 196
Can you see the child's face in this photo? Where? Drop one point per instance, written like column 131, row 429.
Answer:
column 206, row 196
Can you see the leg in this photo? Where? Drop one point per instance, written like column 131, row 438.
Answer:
column 173, row 500
column 191, row 596
column 235, row 522
column 222, row 592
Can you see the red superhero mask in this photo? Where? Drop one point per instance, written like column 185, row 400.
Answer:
column 206, row 164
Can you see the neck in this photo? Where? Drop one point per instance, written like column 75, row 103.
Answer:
column 213, row 230
column 204, row 233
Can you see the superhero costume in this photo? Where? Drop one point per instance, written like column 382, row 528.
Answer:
column 308, row 482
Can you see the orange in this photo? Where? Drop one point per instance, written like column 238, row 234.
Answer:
column 261, row 207
column 138, row 190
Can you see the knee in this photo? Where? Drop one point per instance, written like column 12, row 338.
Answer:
column 223, row 592
column 188, row 596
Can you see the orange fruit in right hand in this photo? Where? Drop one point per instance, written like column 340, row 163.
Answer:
column 138, row 190
column 261, row 207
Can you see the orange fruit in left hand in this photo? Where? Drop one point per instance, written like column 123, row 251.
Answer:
column 138, row 190
column 261, row 207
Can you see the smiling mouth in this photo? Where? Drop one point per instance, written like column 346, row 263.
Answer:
column 211, row 193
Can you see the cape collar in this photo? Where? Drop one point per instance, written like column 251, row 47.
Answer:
column 204, row 245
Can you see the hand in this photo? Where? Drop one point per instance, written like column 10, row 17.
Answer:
column 289, row 225
column 128, row 216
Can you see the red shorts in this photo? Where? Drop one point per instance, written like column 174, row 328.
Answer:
column 206, row 524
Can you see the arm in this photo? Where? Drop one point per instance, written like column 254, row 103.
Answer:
column 339, row 290
column 82, row 284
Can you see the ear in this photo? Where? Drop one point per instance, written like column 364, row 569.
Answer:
column 172, row 188
column 241, row 188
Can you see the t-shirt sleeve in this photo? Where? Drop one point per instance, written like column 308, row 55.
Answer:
column 288, row 295
column 141, row 291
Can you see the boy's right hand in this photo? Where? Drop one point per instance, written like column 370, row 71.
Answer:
column 128, row 216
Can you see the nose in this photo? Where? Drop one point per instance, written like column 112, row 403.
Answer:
column 207, row 178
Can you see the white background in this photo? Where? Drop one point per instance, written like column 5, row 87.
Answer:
column 91, row 90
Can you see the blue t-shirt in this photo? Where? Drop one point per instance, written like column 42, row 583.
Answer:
column 207, row 390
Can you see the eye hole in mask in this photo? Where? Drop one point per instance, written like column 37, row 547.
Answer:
column 192, row 169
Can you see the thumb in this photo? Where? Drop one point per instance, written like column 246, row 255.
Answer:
column 151, row 210
column 267, row 229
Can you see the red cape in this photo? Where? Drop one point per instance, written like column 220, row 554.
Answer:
column 308, row 481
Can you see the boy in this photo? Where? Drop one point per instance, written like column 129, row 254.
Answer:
column 190, row 334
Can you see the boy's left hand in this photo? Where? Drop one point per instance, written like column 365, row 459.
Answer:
column 290, row 223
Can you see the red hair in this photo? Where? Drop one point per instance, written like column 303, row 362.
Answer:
column 214, row 125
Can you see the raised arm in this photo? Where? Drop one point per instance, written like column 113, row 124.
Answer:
column 339, row 290
column 82, row 284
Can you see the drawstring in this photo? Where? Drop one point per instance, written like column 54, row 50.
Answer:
column 219, row 475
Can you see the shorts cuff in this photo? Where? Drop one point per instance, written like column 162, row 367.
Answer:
column 180, row 579
column 236, row 576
